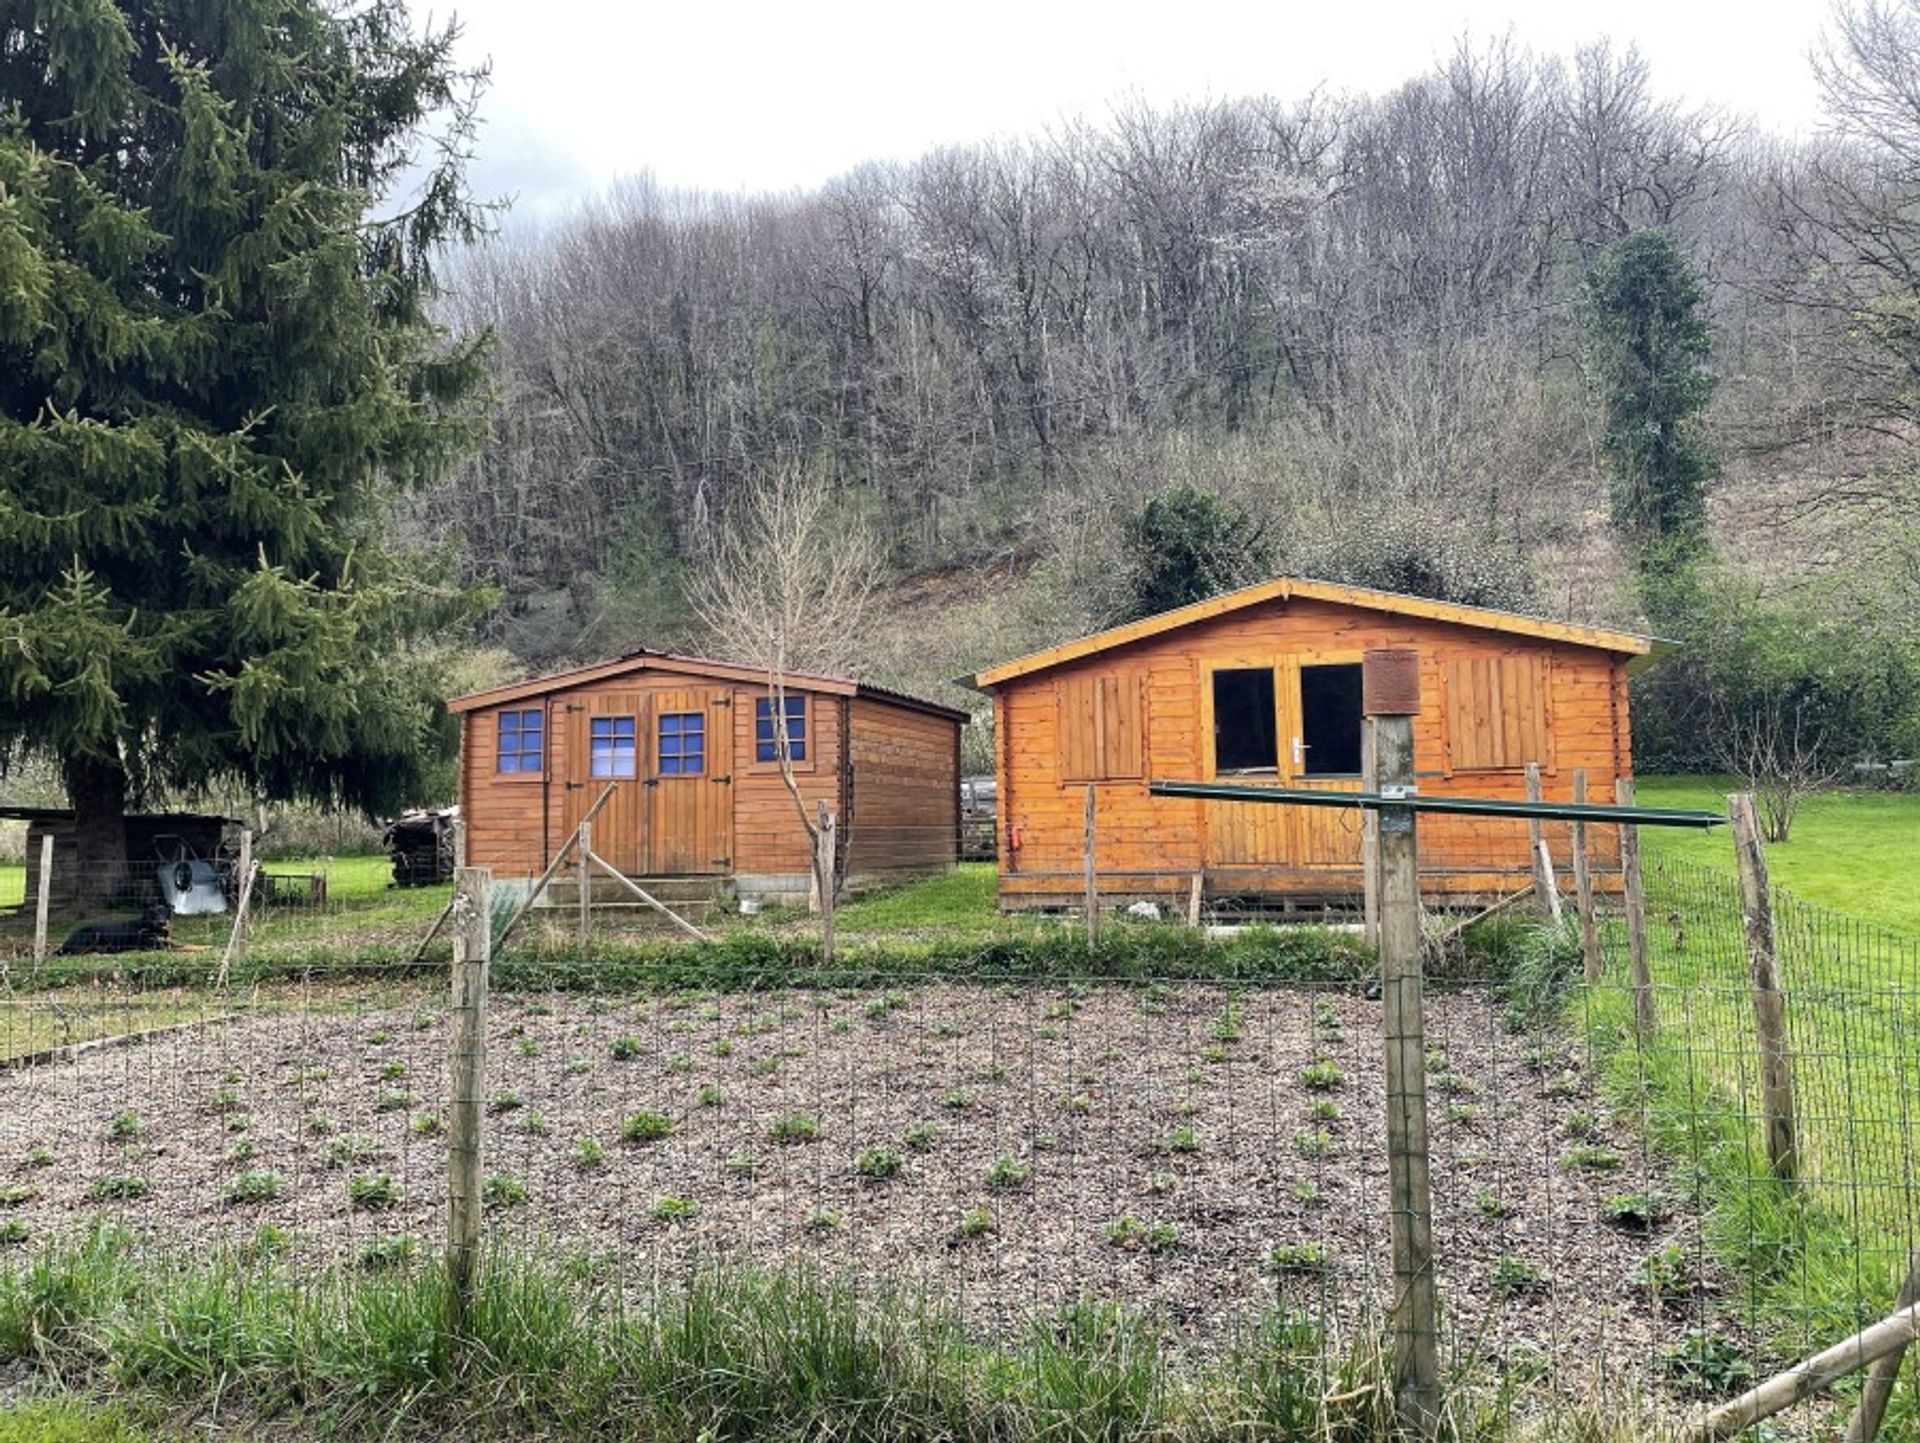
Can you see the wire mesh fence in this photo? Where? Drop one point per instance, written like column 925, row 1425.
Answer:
column 1200, row 1144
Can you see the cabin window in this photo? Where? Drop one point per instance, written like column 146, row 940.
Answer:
column 612, row 744
column 1246, row 737
column 522, row 735
column 766, row 742
column 1102, row 727
column 1330, row 720
column 683, row 744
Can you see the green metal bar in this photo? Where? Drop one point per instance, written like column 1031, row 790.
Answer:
column 1460, row 806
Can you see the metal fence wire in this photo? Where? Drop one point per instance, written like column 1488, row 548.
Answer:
column 1197, row 1143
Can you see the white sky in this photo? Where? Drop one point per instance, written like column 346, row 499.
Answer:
column 746, row 95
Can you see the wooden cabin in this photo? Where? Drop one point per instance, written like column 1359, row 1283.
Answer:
column 689, row 746
column 152, row 840
column 1262, row 686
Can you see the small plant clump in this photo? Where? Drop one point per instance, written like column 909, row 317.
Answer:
column 1591, row 1158
column 1322, row 1076
column 428, row 1124
column 1317, row 1144
column 589, row 1154
column 382, row 1254
column 506, row 1100
column 17, row 1195
column 1516, row 1276
column 975, row 1223
column 645, row 1126
column 351, row 1150
column 711, row 1096
column 800, row 1127
column 253, row 1187
column 1131, row 1235
column 124, row 1187
column 1636, row 1212
column 1308, row 1193
column 1706, row 1365
column 920, row 1136
column 1181, row 1140
column 13, row 1232
column 878, row 1164
column 1324, row 1109
column 1007, row 1174
column 1667, row 1274
column 822, row 1220
column 625, row 1049
column 40, row 1157
column 1491, row 1206
column 502, row 1191
column 396, row 1099
column 374, row 1192
column 958, row 1100
column 1300, row 1260
column 125, row 1127
column 672, row 1209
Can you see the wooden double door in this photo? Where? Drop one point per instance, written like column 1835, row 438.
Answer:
column 1291, row 721
column 668, row 755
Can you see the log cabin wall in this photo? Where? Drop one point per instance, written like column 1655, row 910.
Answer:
column 1143, row 711
column 904, row 785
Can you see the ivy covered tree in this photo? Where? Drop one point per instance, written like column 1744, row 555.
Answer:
column 1647, row 347
column 218, row 224
column 1185, row 545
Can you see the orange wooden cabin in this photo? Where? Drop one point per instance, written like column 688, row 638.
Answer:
column 1262, row 685
column 689, row 746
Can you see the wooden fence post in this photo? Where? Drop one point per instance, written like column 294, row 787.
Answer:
column 1864, row 1426
column 42, row 901
column 1634, row 886
column 1092, row 902
column 1391, row 690
column 826, row 865
column 584, row 846
column 467, row 1068
column 1545, row 890
column 242, row 909
column 1583, row 884
column 1769, row 1005
column 1369, row 843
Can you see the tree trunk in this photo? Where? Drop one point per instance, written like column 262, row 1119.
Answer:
column 97, row 789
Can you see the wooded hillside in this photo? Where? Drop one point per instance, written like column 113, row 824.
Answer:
column 1357, row 317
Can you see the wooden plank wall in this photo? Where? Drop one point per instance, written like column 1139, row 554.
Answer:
column 904, row 814
column 1153, row 844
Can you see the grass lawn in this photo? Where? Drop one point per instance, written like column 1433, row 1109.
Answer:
column 61, row 1420
column 1854, row 852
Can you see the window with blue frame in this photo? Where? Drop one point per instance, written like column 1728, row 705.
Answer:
column 612, row 744
column 766, row 743
column 683, row 744
column 521, row 741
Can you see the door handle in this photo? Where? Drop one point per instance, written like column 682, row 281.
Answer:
column 1299, row 751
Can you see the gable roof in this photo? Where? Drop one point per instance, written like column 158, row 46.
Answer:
column 1283, row 587
column 667, row 661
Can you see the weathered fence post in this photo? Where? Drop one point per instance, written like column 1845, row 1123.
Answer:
column 467, row 1068
column 1092, row 903
column 42, row 901
column 1369, row 842
column 242, row 909
column 1769, row 1005
column 1545, row 890
column 1390, row 686
column 1864, row 1426
column 826, row 861
column 1634, row 887
column 584, row 846
column 1583, row 884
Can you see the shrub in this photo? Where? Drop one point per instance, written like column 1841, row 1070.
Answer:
column 671, row 1209
column 125, row 1126
column 502, row 1191
column 589, row 1154
column 1131, row 1235
column 975, row 1223
column 626, row 1048
column 123, row 1188
column 1515, row 1276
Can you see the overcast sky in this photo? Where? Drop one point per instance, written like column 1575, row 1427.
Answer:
column 756, row 96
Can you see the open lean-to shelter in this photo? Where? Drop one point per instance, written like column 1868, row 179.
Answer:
column 689, row 746
column 1262, row 686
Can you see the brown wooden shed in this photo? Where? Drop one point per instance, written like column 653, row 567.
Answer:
column 1262, row 686
column 689, row 745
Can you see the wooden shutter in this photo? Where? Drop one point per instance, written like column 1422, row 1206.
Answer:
column 1497, row 713
column 1102, row 727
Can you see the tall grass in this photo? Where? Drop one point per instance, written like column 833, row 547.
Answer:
column 731, row 1355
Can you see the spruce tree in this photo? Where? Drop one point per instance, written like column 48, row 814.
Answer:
column 218, row 222
column 1647, row 345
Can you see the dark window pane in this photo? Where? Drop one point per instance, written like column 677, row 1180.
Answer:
column 1245, row 733
column 1330, row 720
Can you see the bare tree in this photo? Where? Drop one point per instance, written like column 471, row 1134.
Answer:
column 788, row 583
column 1768, row 745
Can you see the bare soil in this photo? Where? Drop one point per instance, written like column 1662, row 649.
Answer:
column 1182, row 1109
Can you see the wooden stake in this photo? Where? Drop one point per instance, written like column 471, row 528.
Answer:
column 654, row 902
column 583, row 847
column 1544, row 886
column 1636, row 899
column 1769, row 1006
column 42, row 901
column 1416, row 1340
column 540, row 884
column 825, row 866
column 467, row 1073
column 242, row 909
column 1092, row 901
column 1864, row 1426
column 1196, row 890
column 1369, row 842
column 1583, row 885
column 1803, row 1380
